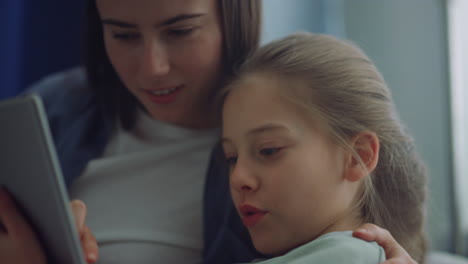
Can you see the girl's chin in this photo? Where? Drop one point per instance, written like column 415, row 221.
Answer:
column 270, row 250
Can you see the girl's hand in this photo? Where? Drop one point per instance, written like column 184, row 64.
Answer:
column 18, row 242
column 395, row 253
column 88, row 241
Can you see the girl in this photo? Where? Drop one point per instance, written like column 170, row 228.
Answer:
column 316, row 149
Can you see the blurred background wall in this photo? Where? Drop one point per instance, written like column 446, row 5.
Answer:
column 408, row 42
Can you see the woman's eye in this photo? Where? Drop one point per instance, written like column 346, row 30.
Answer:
column 269, row 151
column 126, row 36
column 181, row 32
column 231, row 161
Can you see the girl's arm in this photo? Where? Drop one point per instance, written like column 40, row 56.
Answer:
column 395, row 253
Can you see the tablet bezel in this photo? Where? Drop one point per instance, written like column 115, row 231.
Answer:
column 30, row 171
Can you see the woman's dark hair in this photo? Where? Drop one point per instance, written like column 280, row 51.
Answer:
column 241, row 26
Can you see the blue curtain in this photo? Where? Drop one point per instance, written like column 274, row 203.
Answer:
column 38, row 38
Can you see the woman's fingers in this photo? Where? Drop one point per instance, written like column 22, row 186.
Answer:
column 79, row 213
column 90, row 246
column 370, row 232
column 395, row 253
column 87, row 239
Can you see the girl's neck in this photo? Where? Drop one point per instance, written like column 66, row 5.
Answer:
column 349, row 220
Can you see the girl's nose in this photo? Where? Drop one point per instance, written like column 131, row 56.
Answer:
column 242, row 178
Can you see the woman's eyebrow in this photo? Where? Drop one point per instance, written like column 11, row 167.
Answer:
column 118, row 23
column 179, row 18
column 170, row 21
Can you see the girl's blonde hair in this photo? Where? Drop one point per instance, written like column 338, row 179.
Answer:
column 346, row 90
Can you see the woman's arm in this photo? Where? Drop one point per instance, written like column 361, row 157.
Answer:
column 395, row 253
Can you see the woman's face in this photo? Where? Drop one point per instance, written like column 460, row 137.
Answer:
column 168, row 53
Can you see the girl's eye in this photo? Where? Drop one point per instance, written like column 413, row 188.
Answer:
column 269, row 151
column 231, row 161
column 126, row 36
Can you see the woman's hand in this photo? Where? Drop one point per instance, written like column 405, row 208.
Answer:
column 18, row 242
column 395, row 253
column 88, row 241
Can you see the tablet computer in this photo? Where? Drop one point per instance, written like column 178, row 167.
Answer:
column 30, row 171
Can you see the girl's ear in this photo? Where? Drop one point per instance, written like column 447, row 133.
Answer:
column 366, row 145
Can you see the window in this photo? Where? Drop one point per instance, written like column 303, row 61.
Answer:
column 458, row 51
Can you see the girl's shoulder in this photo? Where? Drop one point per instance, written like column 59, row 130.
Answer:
column 335, row 247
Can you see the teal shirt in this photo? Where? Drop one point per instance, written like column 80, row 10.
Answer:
column 333, row 248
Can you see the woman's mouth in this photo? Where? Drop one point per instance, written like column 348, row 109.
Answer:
column 163, row 91
column 165, row 95
column 251, row 215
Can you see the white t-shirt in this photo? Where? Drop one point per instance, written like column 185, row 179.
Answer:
column 144, row 196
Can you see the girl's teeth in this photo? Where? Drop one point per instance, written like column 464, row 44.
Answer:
column 163, row 92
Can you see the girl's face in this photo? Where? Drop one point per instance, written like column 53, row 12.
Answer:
column 168, row 53
column 287, row 177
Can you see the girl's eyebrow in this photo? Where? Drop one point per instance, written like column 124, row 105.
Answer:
column 269, row 127
column 170, row 21
column 266, row 128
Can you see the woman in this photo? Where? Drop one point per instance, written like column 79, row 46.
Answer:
column 153, row 67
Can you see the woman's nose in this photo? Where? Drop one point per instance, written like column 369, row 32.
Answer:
column 155, row 59
column 242, row 178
